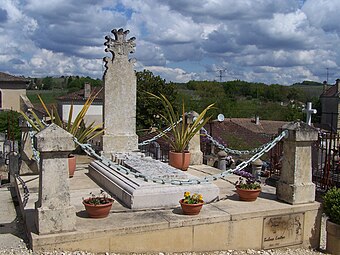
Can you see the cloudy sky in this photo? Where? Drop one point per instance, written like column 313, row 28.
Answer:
column 269, row 41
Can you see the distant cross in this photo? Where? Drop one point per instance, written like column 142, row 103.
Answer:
column 309, row 111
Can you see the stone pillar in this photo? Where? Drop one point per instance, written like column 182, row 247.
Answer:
column 256, row 168
column 119, row 115
column 194, row 147
column 295, row 185
column 53, row 210
column 222, row 156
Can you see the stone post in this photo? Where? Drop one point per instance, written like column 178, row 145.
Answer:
column 295, row 185
column 120, row 95
column 256, row 167
column 194, row 147
column 53, row 210
column 222, row 156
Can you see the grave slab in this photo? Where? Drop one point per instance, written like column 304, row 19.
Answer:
column 136, row 193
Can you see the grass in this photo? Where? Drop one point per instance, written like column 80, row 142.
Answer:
column 48, row 96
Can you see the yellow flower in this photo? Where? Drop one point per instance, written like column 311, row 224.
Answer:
column 187, row 194
column 200, row 197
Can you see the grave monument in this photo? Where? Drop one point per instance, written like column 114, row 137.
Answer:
column 119, row 95
column 120, row 142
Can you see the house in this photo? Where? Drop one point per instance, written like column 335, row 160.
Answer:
column 12, row 92
column 239, row 134
column 78, row 99
column 330, row 104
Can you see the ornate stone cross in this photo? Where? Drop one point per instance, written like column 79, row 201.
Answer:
column 309, row 111
column 119, row 46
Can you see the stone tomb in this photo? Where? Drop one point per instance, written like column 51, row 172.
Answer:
column 136, row 193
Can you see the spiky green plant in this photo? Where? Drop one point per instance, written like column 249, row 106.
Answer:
column 77, row 128
column 183, row 132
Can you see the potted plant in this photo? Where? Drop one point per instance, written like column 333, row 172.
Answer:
column 98, row 206
column 191, row 204
column 77, row 127
column 180, row 134
column 247, row 187
column 331, row 207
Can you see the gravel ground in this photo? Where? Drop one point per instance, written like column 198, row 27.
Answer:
column 228, row 252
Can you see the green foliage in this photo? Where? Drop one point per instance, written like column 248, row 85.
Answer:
column 9, row 122
column 48, row 96
column 241, row 99
column 100, row 199
column 148, row 111
column 47, row 83
column 181, row 133
column 77, row 128
column 331, row 205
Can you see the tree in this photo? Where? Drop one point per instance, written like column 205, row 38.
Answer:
column 9, row 122
column 48, row 83
column 148, row 109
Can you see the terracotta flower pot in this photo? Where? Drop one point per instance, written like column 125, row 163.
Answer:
column 179, row 160
column 190, row 209
column 248, row 194
column 71, row 165
column 98, row 211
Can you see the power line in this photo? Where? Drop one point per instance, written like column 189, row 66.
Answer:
column 220, row 75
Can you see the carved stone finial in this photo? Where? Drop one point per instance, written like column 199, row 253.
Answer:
column 119, row 46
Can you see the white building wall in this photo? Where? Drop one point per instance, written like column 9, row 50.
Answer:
column 94, row 113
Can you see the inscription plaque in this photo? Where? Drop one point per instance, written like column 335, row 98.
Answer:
column 282, row 230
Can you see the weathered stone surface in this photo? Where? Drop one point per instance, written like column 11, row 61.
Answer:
column 295, row 185
column 137, row 193
column 195, row 143
column 54, row 138
column 119, row 96
column 53, row 211
column 282, row 230
column 55, row 220
column 300, row 131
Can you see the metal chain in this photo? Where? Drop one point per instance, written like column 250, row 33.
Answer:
column 25, row 188
column 232, row 151
column 258, row 153
column 36, row 154
column 160, row 134
column 88, row 149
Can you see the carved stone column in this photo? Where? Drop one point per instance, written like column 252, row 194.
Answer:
column 295, row 185
column 195, row 144
column 119, row 114
column 53, row 210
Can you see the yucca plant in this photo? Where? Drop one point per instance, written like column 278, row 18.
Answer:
column 182, row 132
column 77, row 128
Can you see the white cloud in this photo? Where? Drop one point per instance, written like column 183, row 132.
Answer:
column 173, row 74
column 255, row 40
column 323, row 14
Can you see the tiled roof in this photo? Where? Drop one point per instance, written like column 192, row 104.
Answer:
column 331, row 91
column 79, row 95
column 268, row 127
column 244, row 128
column 4, row 77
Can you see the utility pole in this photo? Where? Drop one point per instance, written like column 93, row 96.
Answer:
column 220, row 73
column 327, row 74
